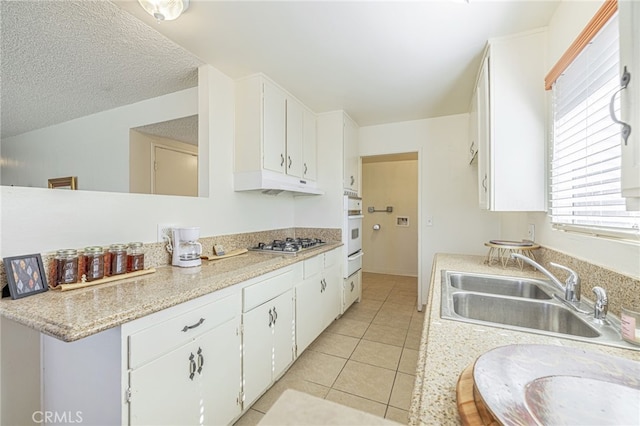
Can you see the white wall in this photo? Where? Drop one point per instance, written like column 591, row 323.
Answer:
column 448, row 186
column 94, row 148
column 567, row 22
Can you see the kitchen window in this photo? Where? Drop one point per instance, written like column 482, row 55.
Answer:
column 585, row 164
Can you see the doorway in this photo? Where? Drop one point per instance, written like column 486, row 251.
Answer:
column 391, row 215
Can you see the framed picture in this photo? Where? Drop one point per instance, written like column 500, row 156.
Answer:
column 25, row 275
column 70, row 182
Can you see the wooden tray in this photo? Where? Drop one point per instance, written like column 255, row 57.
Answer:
column 235, row 252
column 74, row 286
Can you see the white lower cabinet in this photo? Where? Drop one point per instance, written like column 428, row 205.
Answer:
column 198, row 383
column 267, row 348
column 317, row 297
column 351, row 290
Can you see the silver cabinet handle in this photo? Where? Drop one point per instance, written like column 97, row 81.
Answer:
column 305, row 168
column 289, row 157
column 472, row 147
column 352, row 180
column 352, row 285
column 192, row 366
column 189, row 327
column 626, row 128
column 484, row 183
column 281, row 160
column 275, row 315
column 200, row 361
column 271, row 320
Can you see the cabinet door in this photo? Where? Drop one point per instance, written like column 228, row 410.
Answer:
column 483, row 135
column 629, row 12
column 284, row 332
column 350, row 140
column 295, row 123
column 257, row 351
column 221, row 373
column 473, row 127
column 308, row 311
column 274, row 125
column 309, row 146
column 331, row 296
column 165, row 391
column 198, row 383
column 352, row 289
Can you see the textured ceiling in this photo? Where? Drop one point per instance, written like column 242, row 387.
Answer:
column 66, row 59
column 181, row 129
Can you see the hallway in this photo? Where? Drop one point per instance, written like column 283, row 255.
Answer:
column 366, row 359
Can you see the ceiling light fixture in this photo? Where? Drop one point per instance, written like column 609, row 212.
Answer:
column 164, row 10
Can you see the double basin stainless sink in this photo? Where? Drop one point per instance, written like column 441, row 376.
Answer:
column 523, row 304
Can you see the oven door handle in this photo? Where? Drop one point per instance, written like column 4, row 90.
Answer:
column 355, row 255
column 358, row 216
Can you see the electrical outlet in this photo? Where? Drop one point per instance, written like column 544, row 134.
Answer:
column 164, row 232
column 531, row 232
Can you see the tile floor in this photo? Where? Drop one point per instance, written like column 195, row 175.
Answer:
column 366, row 359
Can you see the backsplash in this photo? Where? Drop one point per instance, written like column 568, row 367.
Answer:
column 621, row 289
column 156, row 254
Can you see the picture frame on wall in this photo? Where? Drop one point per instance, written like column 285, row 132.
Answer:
column 25, row 275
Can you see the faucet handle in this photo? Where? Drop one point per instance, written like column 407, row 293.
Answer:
column 573, row 287
column 601, row 306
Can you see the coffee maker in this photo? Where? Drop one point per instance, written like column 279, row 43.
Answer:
column 186, row 248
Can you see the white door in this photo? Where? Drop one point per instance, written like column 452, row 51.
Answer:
column 274, row 125
column 308, row 311
column 332, row 296
column 309, row 149
column 257, row 351
column 175, row 172
column 167, row 391
column 283, row 332
column 295, row 122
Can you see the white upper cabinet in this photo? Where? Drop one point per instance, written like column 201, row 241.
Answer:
column 473, row 127
column 629, row 18
column 511, row 130
column 271, row 139
column 351, row 155
column 310, row 146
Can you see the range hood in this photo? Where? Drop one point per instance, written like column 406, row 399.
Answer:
column 273, row 183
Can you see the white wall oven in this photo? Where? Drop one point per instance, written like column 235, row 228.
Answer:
column 352, row 235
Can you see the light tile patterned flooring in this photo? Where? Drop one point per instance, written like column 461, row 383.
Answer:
column 366, row 359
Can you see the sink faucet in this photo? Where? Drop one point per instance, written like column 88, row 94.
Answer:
column 571, row 288
column 601, row 306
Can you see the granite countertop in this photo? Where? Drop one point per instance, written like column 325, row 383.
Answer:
column 448, row 347
column 75, row 314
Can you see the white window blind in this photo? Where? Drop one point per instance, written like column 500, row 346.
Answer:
column 585, row 156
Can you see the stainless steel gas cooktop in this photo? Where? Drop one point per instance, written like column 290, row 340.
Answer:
column 289, row 245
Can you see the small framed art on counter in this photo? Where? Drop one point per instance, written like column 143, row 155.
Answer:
column 25, row 275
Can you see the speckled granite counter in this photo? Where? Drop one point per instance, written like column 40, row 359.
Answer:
column 448, row 346
column 76, row 314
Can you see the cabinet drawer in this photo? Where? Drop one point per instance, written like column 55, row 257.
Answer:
column 159, row 339
column 255, row 295
column 313, row 266
column 332, row 257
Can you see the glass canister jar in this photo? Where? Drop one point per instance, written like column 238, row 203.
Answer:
column 93, row 263
column 118, row 254
column 66, row 262
column 135, row 257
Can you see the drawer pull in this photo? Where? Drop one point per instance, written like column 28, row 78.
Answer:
column 200, row 361
column 189, row 327
column 192, row 366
